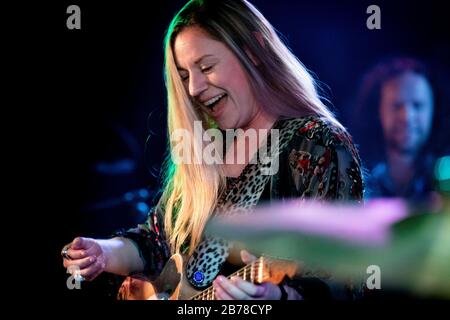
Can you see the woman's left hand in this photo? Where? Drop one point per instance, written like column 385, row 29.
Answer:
column 239, row 289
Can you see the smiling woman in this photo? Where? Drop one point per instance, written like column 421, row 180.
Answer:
column 226, row 67
column 214, row 78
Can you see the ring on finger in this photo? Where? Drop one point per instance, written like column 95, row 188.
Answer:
column 64, row 252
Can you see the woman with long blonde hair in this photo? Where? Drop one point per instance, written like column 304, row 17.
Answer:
column 226, row 70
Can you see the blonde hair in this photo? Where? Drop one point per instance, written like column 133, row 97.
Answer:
column 283, row 85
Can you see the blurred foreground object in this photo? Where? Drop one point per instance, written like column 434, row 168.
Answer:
column 411, row 250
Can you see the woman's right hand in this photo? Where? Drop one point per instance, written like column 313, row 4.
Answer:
column 87, row 256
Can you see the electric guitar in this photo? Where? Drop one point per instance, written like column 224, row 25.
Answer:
column 172, row 284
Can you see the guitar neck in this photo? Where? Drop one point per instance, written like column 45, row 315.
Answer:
column 255, row 272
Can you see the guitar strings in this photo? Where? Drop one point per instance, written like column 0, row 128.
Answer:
column 209, row 293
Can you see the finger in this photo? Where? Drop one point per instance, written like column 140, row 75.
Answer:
column 247, row 257
column 231, row 289
column 75, row 254
column 272, row 291
column 81, row 263
column 93, row 270
column 77, row 243
column 222, row 295
column 67, row 262
column 81, row 243
column 248, row 288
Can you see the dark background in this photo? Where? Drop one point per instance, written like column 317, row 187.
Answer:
column 98, row 123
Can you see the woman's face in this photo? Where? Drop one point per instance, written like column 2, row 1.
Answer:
column 214, row 78
column 406, row 112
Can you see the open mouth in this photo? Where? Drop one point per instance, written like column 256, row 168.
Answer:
column 213, row 102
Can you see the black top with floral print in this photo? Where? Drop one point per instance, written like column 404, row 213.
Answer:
column 317, row 160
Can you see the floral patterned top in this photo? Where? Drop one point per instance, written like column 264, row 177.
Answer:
column 317, row 160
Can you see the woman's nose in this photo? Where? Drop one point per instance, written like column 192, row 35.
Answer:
column 197, row 84
column 406, row 113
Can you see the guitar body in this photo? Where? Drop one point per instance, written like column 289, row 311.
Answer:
column 172, row 283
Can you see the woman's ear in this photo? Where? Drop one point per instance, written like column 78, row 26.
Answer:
column 260, row 39
column 252, row 57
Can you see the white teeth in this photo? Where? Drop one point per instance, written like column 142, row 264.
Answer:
column 212, row 100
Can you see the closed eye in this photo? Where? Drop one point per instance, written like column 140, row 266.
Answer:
column 184, row 76
column 207, row 69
